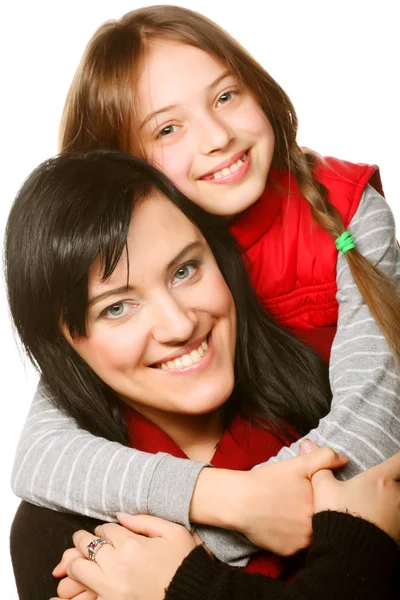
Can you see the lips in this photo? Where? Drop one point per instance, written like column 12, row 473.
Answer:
column 226, row 164
column 182, row 352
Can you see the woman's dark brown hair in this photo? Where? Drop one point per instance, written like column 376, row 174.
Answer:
column 75, row 209
column 100, row 109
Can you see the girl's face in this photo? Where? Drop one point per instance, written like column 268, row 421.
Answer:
column 203, row 128
column 164, row 341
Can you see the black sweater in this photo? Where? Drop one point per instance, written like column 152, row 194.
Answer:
column 349, row 558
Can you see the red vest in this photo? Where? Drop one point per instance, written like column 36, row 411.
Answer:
column 241, row 447
column 291, row 259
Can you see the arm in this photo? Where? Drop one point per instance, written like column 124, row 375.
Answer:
column 350, row 556
column 364, row 420
column 342, row 563
column 62, row 467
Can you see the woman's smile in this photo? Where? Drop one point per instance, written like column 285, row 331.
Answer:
column 162, row 328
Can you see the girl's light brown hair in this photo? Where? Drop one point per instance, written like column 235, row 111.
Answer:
column 100, row 113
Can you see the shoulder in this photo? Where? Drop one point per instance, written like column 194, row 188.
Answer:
column 373, row 209
column 39, row 536
column 345, row 183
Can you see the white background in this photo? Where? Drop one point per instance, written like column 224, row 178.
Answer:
column 338, row 61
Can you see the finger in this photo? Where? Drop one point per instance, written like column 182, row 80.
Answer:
column 323, row 477
column 324, row 458
column 88, row 573
column 307, row 446
column 61, row 569
column 148, row 525
column 82, row 538
column 69, row 588
column 86, row 595
column 116, row 534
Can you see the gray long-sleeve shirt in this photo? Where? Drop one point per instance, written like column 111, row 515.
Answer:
column 63, row 467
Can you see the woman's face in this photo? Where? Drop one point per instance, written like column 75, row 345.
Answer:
column 203, row 128
column 164, row 342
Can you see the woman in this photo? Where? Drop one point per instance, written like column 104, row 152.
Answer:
column 136, row 335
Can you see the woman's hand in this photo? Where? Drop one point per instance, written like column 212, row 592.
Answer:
column 373, row 495
column 272, row 505
column 145, row 555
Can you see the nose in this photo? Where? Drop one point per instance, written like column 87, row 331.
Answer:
column 173, row 323
column 214, row 134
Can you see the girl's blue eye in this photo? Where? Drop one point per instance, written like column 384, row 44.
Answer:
column 116, row 310
column 168, row 130
column 225, row 97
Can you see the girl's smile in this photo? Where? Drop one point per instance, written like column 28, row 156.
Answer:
column 203, row 128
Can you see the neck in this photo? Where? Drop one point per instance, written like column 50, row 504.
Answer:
column 196, row 435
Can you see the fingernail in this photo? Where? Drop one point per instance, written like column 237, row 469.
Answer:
column 343, row 456
column 308, row 446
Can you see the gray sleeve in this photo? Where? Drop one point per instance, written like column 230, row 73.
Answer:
column 63, row 467
column 364, row 420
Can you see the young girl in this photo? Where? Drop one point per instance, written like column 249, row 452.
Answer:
column 120, row 300
column 167, row 84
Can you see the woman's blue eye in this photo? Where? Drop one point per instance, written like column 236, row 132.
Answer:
column 184, row 272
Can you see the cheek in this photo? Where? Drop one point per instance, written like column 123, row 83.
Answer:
column 218, row 298
column 254, row 120
column 108, row 351
column 175, row 162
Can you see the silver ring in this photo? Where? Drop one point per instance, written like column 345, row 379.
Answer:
column 94, row 546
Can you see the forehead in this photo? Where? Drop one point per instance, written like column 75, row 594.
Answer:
column 157, row 233
column 171, row 71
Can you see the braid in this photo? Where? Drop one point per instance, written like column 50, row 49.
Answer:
column 380, row 292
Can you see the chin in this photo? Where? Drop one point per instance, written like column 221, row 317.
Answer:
column 209, row 401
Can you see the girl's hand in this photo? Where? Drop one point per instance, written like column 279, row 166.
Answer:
column 373, row 495
column 272, row 505
column 139, row 566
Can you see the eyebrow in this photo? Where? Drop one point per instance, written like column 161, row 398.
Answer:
column 172, row 106
column 181, row 255
column 128, row 288
column 119, row 290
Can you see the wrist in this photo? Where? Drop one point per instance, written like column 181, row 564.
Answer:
column 218, row 498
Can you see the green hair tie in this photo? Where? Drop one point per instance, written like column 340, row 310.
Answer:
column 345, row 242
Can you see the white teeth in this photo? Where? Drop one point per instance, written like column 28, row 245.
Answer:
column 230, row 170
column 178, row 363
column 187, row 360
column 195, row 356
